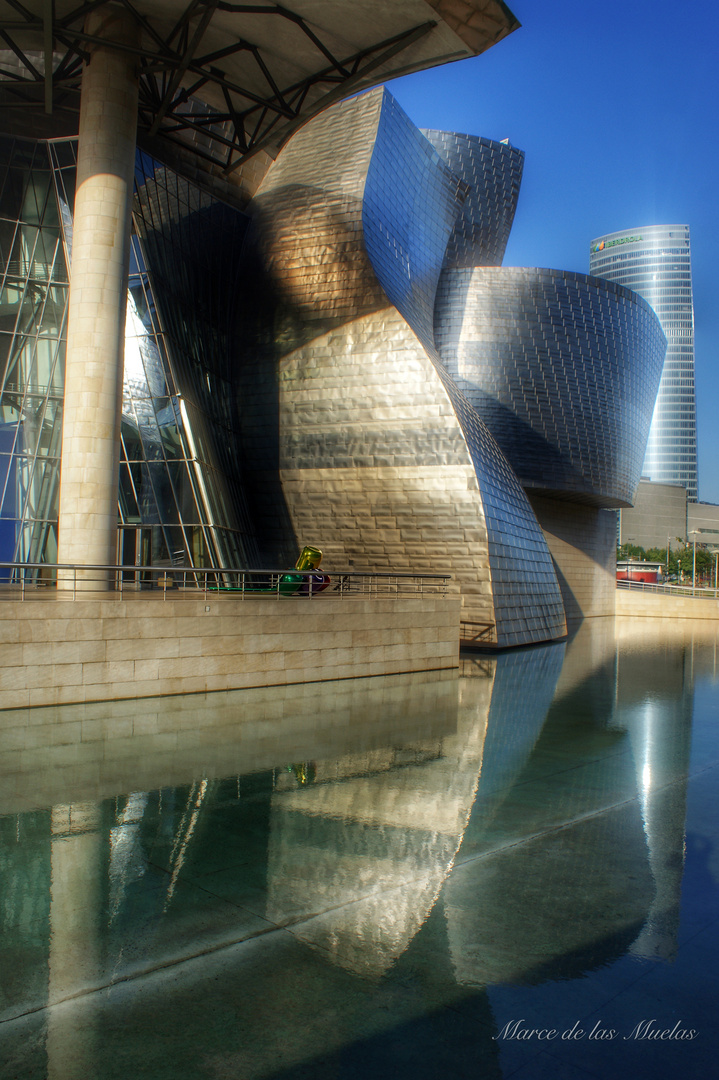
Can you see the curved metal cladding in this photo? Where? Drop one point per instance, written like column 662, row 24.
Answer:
column 527, row 600
column 562, row 368
column 493, row 172
column 381, row 459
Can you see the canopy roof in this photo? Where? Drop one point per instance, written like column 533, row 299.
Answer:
column 227, row 80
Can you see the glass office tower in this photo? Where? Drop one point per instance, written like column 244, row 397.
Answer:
column 655, row 261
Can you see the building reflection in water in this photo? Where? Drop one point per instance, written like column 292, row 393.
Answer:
column 528, row 817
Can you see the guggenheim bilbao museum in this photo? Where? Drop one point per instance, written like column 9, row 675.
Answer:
column 248, row 305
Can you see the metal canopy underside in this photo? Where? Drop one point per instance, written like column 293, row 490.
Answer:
column 226, row 80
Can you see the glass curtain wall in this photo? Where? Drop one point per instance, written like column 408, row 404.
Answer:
column 181, row 459
column 180, row 500
column 33, row 312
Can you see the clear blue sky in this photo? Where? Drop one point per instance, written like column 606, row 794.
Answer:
column 616, row 107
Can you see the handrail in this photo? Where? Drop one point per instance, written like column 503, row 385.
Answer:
column 209, row 580
column 699, row 592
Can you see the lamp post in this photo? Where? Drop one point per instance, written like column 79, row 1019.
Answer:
column 694, row 564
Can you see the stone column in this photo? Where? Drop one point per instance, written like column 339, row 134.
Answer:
column 98, row 297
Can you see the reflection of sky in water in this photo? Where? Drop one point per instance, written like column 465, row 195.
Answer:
column 505, row 825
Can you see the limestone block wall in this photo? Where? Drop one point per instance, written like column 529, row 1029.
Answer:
column 582, row 542
column 55, row 652
column 660, row 606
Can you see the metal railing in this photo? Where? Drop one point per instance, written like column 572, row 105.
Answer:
column 700, row 592
column 70, row 581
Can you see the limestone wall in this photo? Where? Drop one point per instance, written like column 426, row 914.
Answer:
column 661, row 606
column 582, row 542
column 64, row 651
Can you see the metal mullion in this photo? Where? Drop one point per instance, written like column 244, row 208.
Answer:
column 21, row 56
column 390, row 46
column 299, row 21
column 146, row 25
column 229, row 50
column 3, row 279
column 80, row 12
column 220, row 79
column 183, row 20
column 47, row 14
column 186, row 58
column 183, row 123
column 27, row 15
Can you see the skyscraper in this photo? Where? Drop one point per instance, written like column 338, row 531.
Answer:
column 655, row 261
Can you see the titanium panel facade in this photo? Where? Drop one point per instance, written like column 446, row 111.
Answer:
column 562, row 369
column 380, row 454
column 493, row 172
column 655, row 261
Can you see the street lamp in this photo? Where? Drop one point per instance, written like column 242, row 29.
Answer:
column 715, row 553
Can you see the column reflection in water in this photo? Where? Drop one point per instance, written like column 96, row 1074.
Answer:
column 74, row 958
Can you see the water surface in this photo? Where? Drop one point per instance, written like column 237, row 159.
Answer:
column 510, row 873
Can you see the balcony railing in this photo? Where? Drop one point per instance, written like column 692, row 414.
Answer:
column 66, row 581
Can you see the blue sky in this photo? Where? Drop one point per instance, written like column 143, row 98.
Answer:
column 615, row 107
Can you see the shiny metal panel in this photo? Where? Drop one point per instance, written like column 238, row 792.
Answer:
column 382, row 460
column 493, row 172
column 562, row 368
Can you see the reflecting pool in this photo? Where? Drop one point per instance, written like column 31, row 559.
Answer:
column 510, row 872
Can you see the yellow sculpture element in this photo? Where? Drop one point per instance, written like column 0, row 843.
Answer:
column 310, row 558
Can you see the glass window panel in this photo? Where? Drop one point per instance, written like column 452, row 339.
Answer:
column 10, row 301
column 167, row 506
column 146, row 503
column 229, row 547
column 15, row 487
column 170, row 430
column 216, row 496
column 30, row 312
column 45, row 355
column 20, row 364
column 22, row 251
column 199, row 550
column 36, row 192
column 185, row 493
column 177, row 546
column 7, row 235
column 10, row 415
column 149, row 431
column 11, row 200
column 129, row 512
column 37, row 542
column 5, row 461
column 43, row 490
column 160, row 551
column 64, row 153
column 131, row 439
column 8, row 540
column 50, row 437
